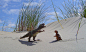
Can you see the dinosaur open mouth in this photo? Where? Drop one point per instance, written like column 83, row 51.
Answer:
column 41, row 26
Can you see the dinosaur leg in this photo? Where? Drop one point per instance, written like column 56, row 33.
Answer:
column 29, row 39
column 34, row 38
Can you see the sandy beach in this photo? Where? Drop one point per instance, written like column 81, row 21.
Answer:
column 10, row 42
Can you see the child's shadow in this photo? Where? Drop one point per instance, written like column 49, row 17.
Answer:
column 54, row 41
column 26, row 42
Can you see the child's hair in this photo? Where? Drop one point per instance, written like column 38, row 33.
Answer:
column 56, row 31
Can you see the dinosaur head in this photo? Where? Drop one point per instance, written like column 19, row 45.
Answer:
column 41, row 26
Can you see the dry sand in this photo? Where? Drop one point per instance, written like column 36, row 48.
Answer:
column 10, row 42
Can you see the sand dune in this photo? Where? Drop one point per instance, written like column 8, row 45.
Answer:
column 10, row 42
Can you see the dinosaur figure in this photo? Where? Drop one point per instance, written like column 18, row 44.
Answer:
column 33, row 33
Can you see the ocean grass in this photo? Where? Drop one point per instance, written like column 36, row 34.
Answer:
column 30, row 17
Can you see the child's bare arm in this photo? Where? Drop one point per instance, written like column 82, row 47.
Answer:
column 54, row 36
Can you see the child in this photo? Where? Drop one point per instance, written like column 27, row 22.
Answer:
column 58, row 37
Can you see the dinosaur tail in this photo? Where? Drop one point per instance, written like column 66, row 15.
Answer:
column 24, row 36
column 21, row 37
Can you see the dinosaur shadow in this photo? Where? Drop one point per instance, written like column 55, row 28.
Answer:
column 27, row 43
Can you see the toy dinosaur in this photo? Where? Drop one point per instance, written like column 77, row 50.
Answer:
column 33, row 33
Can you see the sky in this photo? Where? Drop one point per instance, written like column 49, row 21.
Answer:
column 9, row 11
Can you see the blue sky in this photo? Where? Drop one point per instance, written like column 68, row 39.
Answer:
column 9, row 11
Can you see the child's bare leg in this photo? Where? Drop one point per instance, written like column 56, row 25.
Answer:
column 60, row 38
column 57, row 38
